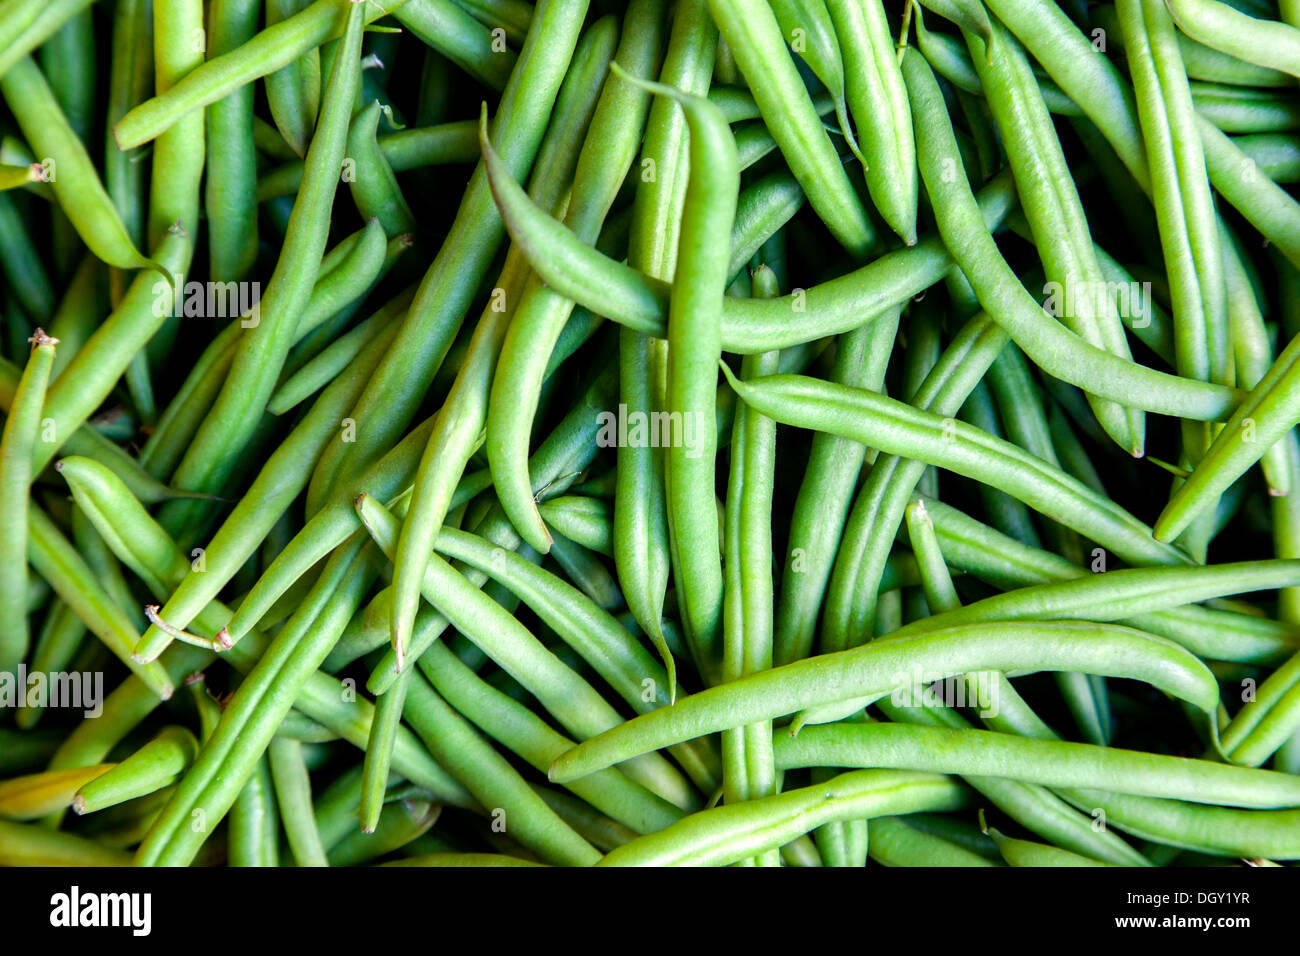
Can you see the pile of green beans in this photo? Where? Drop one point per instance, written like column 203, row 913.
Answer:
column 661, row 432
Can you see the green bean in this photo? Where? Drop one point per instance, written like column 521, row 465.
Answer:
column 268, row 51
column 97, row 365
column 55, row 559
column 748, row 772
column 466, row 410
column 574, row 703
column 512, row 16
column 1028, row 853
column 338, row 356
column 56, row 646
column 899, row 429
column 1180, row 192
column 403, row 823
column 749, row 325
column 278, row 483
column 1220, row 27
column 260, row 703
column 526, row 734
column 895, row 843
column 1054, row 210
column 1263, row 203
column 36, row 845
column 1000, row 291
column 21, row 429
column 585, row 520
column 494, row 782
column 178, row 154
column 11, row 177
column 442, row 144
column 588, row 629
column 293, row 92
column 35, row 795
column 878, row 509
column 390, row 399
column 1212, row 634
column 456, row 35
column 808, row 30
column 33, row 26
column 694, row 346
column 79, row 313
column 872, row 671
column 752, row 33
column 293, row 794
column 1222, row 831
column 229, row 199
column 617, row 124
column 156, row 765
column 878, row 100
column 1276, row 155
column 642, row 549
column 70, row 171
column 762, row 209
column 733, row 832
column 1259, row 422
column 374, row 188
column 1052, row 763
column 230, row 422
column 254, row 832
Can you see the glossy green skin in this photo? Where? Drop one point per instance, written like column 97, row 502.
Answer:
column 392, row 396
column 1051, row 203
column 870, row 671
column 464, row 414
column 375, row 189
column 178, row 154
column 732, row 832
column 231, row 173
column 565, row 694
column 1052, row 763
column 1217, row 25
column 293, row 795
column 156, row 765
column 56, row 560
column 89, row 378
column 522, row 732
column 495, row 784
column 751, row 31
column 640, row 302
column 76, row 184
column 1052, row 347
column 234, row 416
column 900, row 429
column 272, row 48
column 21, row 429
column 606, row 155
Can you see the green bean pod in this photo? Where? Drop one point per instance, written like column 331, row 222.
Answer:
column 874, row 671
column 733, row 832
column 881, row 423
column 232, row 419
column 374, row 188
column 178, row 154
column 230, row 197
column 754, row 36
column 878, row 100
column 21, row 430
column 156, row 765
column 1265, row 43
column 69, row 169
column 1051, row 763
